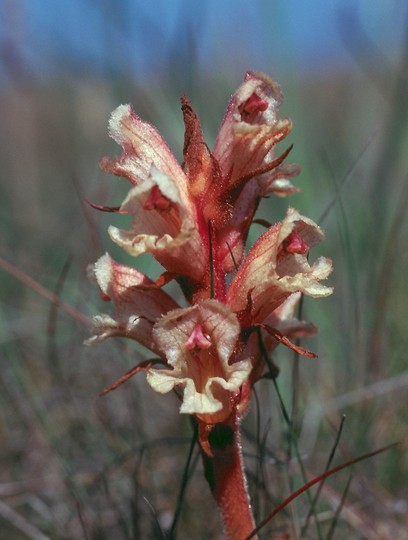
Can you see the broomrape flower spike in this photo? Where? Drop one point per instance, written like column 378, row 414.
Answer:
column 194, row 220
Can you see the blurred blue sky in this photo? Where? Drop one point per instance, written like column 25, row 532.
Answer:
column 142, row 36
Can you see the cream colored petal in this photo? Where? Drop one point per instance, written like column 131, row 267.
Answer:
column 104, row 327
column 277, row 181
column 143, row 148
column 284, row 320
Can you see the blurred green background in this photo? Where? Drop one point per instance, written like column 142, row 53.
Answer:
column 74, row 466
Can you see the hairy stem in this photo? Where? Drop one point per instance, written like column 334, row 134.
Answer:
column 224, row 470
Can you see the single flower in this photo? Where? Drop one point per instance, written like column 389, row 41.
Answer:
column 199, row 343
column 277, row 266
column 163, row 225
column 138, row 303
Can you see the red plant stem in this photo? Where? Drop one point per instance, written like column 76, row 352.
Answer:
column 224, row 471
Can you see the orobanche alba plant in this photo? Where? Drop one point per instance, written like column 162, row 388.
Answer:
column 194, row 219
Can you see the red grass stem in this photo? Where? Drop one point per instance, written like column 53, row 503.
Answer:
column 35, row 286
column 311, row 483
